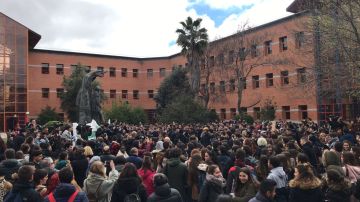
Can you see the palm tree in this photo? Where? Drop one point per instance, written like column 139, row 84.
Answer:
column 194, row 41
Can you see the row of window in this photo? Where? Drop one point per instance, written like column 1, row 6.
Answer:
column 269, row 78
column 45, row 69
column 124, row 93
column 285, row 111
column 254, row 51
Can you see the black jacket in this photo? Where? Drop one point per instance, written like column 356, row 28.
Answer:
column 80, row 167
column 125, row 186
column 164, row 193
column 26, row 189
column 9, row 167
column 210, row 192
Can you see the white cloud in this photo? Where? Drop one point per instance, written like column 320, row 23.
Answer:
column 138, row 28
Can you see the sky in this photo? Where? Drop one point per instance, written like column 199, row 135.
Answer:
column 134, row 28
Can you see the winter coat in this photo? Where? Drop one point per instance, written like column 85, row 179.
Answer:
column 211, row 190
column 80, row 167
column 26, row 189
column 279, row 176
column 260, row 198
column 339, row 192
column 63, row 192
column 306, row 190
column 177, row 173
column 309, row 150
column 135, row 160
column 245, row 193
column 9, row 167
column 147, row 180
column 164, row 193
column 125, row 186
column 352, row 172
column 104, row 190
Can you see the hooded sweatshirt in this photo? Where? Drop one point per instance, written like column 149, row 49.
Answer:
column 279, row 176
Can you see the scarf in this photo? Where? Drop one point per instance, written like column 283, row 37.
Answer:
column 217, row 180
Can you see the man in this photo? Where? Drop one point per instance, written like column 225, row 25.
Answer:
column 23, row 189
column 65, row 190
column 278, row 174
column 134, row 158
column 309, row 150
column 266, row 192
column 37, row 157
column 107, row 156
column 205, row 137
column 163, row 192
column 10, row 165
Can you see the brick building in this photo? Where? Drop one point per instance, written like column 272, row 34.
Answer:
column 30, row 79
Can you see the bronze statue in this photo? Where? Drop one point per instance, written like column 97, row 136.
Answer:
column 88, row 100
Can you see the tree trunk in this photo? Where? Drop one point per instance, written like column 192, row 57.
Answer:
column 240, row 89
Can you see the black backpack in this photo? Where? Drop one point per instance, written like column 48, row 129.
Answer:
column 133, row 197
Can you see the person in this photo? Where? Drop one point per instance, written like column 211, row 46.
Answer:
column 146, row 174
column 5, row 186
column 266, row 192
column 305, row 186
column 63, row 160
column 195, row 176
column 23, row 187
column 65, row 190
column 351, row 169
column 10, row 165
column 97, row 186
column 40, row 179
column 163, row 192
column 245, row 189
column 233, row 173
column 80, row 165
column 129, row 185
column 205, row 137
column 213, row 186
column 134, row 158
column 278, row 174
column 338, row 187
column 177, row 172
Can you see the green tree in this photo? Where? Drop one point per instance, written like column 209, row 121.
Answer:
column 172, row 86
column 186, row 110
column 193, row 40
column 48, row 114
column 125, row 113
column 71, row 86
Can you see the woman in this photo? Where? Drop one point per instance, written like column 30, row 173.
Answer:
column 194, row 179
column 262, row 169
column 245, row 188
column 346, row 146
column 305, row 186
column 213, row 186
column 88, row 152
column 146, row 173
column 97, row 185
column 40, row 179
column 351, row 169
column 128, row 185
column 80, row 166
column 338, row 187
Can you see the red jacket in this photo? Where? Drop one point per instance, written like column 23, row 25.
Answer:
column 147, row 180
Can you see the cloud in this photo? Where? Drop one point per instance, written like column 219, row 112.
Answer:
column 138, row 28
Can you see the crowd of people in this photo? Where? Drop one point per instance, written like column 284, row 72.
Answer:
column 224, row 161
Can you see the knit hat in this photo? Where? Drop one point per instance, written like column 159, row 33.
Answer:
column 261, row 142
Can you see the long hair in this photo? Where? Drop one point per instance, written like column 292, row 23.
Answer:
column 238, row 184
column 193, row 170
column 128, row 171
column 349, row 158
column 147, row 164
column 97, row 167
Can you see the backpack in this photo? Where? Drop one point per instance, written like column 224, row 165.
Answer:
column 93, row 197
column 133, row 197
column 71, row 199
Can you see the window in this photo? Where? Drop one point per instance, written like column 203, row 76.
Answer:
column 283, row 43
column 162, row 72
column 299, row 39
column 243, row 82
column 124, row 94
column 123, row 72
column 269, row 80
column 59, row 92
column 220, row 59
column 100, row 68
column 112, row 72
column 135, row 73
column 254, row 51
column 284, row 77
column 268, row 47
column 256, row 112
column 151, row 93
column 211, row 61
column 60, row 69
column 301, row 75
column 232, row 113
column 135, row 94
column 222, row 87
column 212, row 87
column 303, row 114
column 285, row 112
column 242, row 54
column 232, row 85
column 222, row 114
column 231, row 57
column 112, row 93
column 149, row 73
column 45, row 92
column 243, row 110
column 45, row 68
column 256, row 81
